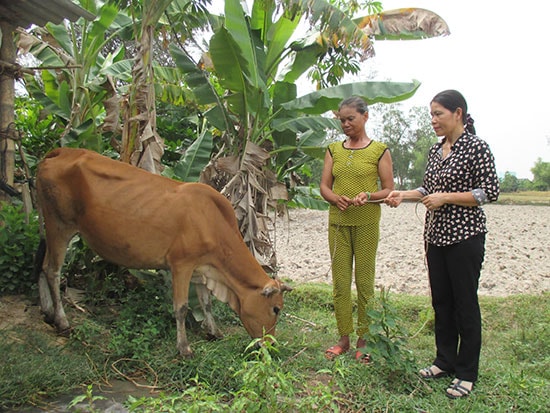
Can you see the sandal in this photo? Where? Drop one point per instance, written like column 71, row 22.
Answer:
column 461, row 391
column 363, row 358
column 428, row 373
column 332, row 352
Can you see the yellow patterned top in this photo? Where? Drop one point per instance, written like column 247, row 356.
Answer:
column 355, row 171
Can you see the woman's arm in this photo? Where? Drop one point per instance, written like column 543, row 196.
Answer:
column 438, row 199
column 342, row 202
column 385, row 172
column 395, row 198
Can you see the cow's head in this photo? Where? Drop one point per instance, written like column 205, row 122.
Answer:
column 260, row 309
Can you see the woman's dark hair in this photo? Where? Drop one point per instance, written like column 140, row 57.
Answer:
column 452, row 100
column 355, row 102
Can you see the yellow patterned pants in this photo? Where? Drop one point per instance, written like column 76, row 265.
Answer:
column 348, row 244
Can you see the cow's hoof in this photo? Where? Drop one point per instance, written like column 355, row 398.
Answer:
column 213, row 337
column 187, row 356
column 48, row 319
column 186, row 352
column 66, row 332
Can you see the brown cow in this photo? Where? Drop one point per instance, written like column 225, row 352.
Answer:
column 144, row 221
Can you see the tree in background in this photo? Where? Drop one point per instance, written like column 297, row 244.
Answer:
column 509, row 183
column 541, row 175
column 396, row 132
column 423, row 139
column 71, row 83
column 409, row 137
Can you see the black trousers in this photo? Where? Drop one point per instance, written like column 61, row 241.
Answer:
column 454, row 272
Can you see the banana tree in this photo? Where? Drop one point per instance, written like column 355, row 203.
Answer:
column 246, row 85
column 71, row 82
column 141, row 144
column 94, row 89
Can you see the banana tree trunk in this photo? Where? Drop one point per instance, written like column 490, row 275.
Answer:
column 141, row 144
column 251, row 188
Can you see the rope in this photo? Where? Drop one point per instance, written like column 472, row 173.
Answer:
column 377, row 201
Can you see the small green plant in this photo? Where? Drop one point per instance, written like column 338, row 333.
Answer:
column 264, row 383
column 18, row 243
column 387, row 338
column 38, row 128
column 87, row 397
column 196, row 398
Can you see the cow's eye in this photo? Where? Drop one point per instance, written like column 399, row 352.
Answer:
column 276, row 310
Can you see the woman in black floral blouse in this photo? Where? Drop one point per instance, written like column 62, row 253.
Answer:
column 460, row 177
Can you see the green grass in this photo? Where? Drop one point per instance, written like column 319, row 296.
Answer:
column 525, row 198
column 294, row 376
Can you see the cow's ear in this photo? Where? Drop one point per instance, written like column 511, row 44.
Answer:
column 269, row 290
column 285, row 287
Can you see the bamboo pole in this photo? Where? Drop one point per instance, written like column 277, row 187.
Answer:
column 7, row 99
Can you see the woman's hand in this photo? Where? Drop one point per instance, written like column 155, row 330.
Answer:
column 394, row 198
column 343, row 202
column 434, row 201
column 361, row 199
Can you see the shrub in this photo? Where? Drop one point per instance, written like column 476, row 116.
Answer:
column 18, row 243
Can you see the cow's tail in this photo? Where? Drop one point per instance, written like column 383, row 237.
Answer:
column 39, row 258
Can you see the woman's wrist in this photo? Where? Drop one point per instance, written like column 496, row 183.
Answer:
column 368, row 194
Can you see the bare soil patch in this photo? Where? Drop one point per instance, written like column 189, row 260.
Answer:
column 517, row 258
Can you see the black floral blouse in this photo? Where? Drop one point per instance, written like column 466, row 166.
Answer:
column 469, row 166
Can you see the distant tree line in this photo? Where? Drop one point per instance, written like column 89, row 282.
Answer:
column 540, row 182
column 409, row 137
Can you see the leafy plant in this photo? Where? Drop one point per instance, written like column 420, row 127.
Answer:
column 89, row 398
column 18, row 243
column 76, row 94
column 387, row 338
column 146, row 316
column 40, row 130
column 265, row 384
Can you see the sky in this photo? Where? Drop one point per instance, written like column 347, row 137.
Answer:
column 497, row 57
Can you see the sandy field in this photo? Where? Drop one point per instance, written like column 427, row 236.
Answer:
column 517, row 257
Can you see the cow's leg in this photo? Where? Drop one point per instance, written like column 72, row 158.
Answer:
column 206, row 304
column 49, row 281
column 181, row 278
column 46, row 303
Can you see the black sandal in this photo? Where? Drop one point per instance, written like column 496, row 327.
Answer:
column 428, row 374
column 459, row 388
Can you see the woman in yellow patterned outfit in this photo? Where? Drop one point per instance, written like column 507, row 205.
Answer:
column 350, row 183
